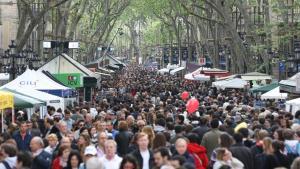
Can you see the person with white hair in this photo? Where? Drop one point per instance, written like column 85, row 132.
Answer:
column 94, row 163
column 111, row 160
column 41, row 158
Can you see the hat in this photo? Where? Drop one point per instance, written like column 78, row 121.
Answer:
column 90, row 150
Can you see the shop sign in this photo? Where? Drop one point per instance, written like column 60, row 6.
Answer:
column 72, row 80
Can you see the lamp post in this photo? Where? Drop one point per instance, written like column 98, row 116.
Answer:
column 15, row 63
column 120, row 32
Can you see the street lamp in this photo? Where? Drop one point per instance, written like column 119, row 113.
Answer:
column 15, row 63
column 120, row 32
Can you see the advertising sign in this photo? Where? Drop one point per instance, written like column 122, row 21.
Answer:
column 202, row 61
column 72, row 80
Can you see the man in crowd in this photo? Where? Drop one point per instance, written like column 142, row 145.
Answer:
column 143, row 155
column 102, row 138
column 68, row 120
column 22, row 137
column 210, row 139
column 41, row 159
column 111, row 160
column 9, row 156
column 161, row 157
column 50, row 127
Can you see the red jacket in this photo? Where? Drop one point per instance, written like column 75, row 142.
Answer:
column 199, row 154
column 56, row 164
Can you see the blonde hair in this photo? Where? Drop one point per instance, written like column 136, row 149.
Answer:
column 52, row 137
column 110, row 142
column 220, row 152
column 267, row 145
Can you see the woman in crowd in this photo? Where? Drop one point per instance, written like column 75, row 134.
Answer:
column 74, row 160
column 129, row 162
column 224, row 157
column 83, row 141
column 267, row 159
column 61, row 160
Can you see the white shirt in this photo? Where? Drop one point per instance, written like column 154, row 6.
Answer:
column 50, row 149
column 111, row 164
column 12, row 161
column 146, row 158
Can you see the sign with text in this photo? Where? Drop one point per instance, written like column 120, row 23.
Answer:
column 72, row 80
column 202, row 61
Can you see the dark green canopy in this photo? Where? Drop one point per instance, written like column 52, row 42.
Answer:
column 264, row 89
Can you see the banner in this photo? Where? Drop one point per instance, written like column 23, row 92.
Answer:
column 6, row 100
column 72, row 80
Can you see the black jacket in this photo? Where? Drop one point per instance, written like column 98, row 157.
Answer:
column 139, row 158
column 53, row 130
column 266, row 161
column 282, row 159
column 243, row 154
column 189, row 159
column 123, row 139
column 200, row 130
column 42, row 161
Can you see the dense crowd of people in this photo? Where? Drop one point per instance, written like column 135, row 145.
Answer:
column 138, row 120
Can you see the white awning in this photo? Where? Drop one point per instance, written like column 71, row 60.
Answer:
column 173, row 72
column 198, row 77
column 274, row 94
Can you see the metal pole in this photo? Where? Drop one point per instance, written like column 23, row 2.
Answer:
column 105, row 52
column 2, row 121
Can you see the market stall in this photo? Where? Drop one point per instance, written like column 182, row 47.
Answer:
column 49, row 99
column 256, row 76
column 292, row 105
column 6, row 101
column 274, row 94
column 235, row 83
column 198, row 77
column 32, row 79
column 264, row 89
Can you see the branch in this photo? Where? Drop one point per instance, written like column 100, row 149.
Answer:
column 28, row 8
column 198, row 16
column 212, row 5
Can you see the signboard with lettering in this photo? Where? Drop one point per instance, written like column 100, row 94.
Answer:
column 72, row 80
column 202, row 61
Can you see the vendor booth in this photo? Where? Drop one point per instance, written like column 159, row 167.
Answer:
column 73, row 75
column 32, row 79
column 173, row 72
column 292, row 105
column 274, row 94
column 49, row 99
column 256, row 76
column 290, row 84
column 198, row 77
column 264, row 89
column 6, row 101
column 213, row 72
column 235, row 83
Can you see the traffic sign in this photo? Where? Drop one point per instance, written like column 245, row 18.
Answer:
column 281, row 67
column 202, row 61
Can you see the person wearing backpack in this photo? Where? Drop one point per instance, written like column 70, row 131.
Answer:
column 8, row 152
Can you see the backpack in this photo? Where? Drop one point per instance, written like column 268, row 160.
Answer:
column 6, row 165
